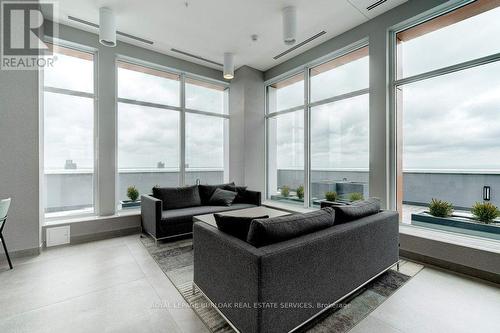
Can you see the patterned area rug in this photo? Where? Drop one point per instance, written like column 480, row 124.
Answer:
column 176, row 261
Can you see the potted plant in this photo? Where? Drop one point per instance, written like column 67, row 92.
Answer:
column 331, row 196
column 285, row 191
column 300, row 192
column 440, row 208
column 356, row 196
column 133, row 195
column 485, row 212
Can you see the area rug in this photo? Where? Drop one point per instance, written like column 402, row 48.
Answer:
column 176, row 261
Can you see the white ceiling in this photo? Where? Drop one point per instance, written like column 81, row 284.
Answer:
column 208, row 28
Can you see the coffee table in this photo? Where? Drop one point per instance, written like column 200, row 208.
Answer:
column 247, row 212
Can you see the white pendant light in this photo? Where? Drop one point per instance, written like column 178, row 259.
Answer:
column 289, row 25
column 107, row 27
column 228, row 66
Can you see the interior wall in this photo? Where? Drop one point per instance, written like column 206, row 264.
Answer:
column 376, row 30
column 19, row 158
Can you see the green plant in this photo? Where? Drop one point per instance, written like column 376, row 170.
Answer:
column 285, row 191
column 132, row 193
column 331, row 196
column 485, row 212
column 300, row 192
column 356, row 196
column 440, row 208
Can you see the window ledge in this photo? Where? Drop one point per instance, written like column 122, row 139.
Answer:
column 287, row 207
column 77, row 219
column 478, row 243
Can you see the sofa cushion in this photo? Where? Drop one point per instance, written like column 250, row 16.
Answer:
column 236, row 226
column 356, row 210
column 206, row 191
column 278, row 229
column 222, row 198
column 177, row 197
column 185, row 215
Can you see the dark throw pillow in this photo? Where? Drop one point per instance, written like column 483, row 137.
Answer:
column 356, row 210
column 177, row 197
column 279, row 229
column 240, row 198
column 206, row 191
column 222, row 198
column 236, row 226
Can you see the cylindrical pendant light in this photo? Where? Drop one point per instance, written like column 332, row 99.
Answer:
column 107, row 27
column 228, row 66
column 289, row 25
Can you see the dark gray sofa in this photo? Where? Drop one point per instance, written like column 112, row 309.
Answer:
column 315, row 269
column 161, row 223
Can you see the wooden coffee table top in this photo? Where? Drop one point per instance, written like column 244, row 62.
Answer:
column 247, row 212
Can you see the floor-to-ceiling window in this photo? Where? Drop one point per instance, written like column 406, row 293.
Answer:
column 339, row 127
column 317, row 131
column 285, row 139
column 172, row 129
column 68, row 133
column 206, row 132
column 447, row 96
column 148, row 127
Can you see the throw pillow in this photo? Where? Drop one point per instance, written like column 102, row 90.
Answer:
column 356, row 210
column 279, row 229
column 222, row 198
column 236, row 226
column 206, row 191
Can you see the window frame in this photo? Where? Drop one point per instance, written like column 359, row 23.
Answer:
column 394, row 83
column 95, row 97
column 306, row 107
column 182, row 109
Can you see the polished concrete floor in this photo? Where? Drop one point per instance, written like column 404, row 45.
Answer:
column 115, row 286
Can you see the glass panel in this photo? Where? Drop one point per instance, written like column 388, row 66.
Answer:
column 340, row 76
column 467, row 33
column 205, row 96
column 286, row 94
column 72, row 70
column 205, row 149
column 148, row 148
column 148, row 85
column 451, row 139
column 286, row 157
column 340, row 149
column 68, row 153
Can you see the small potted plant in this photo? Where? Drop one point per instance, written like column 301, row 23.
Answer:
column 285, row 191
column 331, row 196
column 440, row 208
column 300, row 192
column 485, row 212
column 133, row 195
column 356, row 196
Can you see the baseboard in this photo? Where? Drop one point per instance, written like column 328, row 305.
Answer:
column 104, row 235
column 477, row 273
column 21, row 253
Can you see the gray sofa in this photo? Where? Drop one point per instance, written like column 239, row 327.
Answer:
column 172, row 215
column 321, row 267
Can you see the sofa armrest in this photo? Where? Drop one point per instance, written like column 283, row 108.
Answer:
column 151, row 209
column 226, row 269
column 253, row 197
